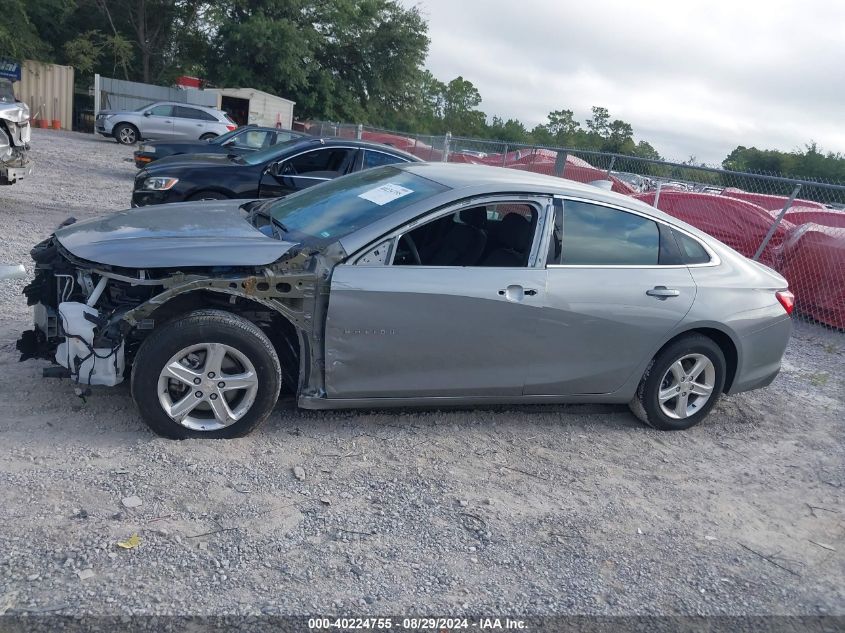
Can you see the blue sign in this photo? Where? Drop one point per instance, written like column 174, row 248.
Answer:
column 10, row 69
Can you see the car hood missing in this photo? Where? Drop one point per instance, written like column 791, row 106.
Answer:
column 173, row 235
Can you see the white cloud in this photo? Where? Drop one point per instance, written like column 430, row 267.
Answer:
column 693, row 77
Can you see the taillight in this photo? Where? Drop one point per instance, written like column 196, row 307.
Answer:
column 231, row 128
column 787, row 300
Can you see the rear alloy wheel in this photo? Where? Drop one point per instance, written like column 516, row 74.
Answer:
column 681, row 385
column 208, row 374
column 208, row 136
column 126, row 134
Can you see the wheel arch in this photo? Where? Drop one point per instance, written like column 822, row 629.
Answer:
column 726, row 342
column 130, row 124
column 287, row 339
column 210, row 188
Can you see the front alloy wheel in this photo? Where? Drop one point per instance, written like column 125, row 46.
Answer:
column 126, row 134
column 210, row 373
column 208, row 386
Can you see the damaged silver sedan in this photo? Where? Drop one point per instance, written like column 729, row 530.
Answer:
column 419, row 285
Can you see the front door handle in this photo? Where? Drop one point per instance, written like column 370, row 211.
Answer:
column 662, row 292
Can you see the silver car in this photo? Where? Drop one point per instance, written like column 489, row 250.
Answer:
column 423, row 284
column 164, row 120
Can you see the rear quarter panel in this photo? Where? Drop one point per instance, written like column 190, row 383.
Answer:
column 738, row 298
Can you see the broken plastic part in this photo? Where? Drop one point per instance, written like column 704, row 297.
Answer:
column 88, row 365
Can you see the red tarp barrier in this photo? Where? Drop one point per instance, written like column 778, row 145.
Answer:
column 766, row 201
column 578, row 173
column 825, row 217
column 813, row 261
column 739, row 224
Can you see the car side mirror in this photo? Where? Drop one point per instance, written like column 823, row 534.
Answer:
column 147, row 113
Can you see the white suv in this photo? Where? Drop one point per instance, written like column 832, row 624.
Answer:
column 164, row 120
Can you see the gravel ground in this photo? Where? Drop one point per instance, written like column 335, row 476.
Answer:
column 529, row 510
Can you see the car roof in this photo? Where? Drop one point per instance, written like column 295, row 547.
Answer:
column 187, row 105
column 462, row 175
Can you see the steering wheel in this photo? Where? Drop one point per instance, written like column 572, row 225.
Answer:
column 288, row 170
column 415, row 254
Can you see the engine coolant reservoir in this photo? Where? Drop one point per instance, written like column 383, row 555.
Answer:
column 102, row 367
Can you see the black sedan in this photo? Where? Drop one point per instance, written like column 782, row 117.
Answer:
column 268, row 173
column 243, row 140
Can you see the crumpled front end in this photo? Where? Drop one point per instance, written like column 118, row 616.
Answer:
column 90, row 319
column 68, row 329
column 15, row 134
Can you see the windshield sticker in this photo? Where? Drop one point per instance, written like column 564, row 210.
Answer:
column 385, row 193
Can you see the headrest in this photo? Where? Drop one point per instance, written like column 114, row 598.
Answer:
column 476, row 216
column 515, row 232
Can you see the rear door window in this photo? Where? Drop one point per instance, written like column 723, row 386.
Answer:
column 595, row 235
column 377, row 159
column 161, row 110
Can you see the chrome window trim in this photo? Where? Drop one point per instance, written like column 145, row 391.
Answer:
column 714, row 258
column 304, row 176
column 536, row 201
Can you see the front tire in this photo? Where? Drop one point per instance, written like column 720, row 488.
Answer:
column 681, row 384
column 126, row 134
column 208, row 195
column 209, row 374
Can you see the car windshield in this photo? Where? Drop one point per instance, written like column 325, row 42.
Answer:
column 263, row 155
column 339, row 207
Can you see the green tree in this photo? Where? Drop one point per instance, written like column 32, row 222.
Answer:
column 600, row 123
column 343, row 60
column 562, row 125
column 19, row 39
column 460, row 116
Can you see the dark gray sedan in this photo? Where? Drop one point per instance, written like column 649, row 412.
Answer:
column 416, row 284
column 244, row 140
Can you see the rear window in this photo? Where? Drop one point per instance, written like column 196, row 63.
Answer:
column 692, row 252
column 342, row 206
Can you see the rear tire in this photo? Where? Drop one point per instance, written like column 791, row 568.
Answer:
column 208, row 195
column 208, row 136
column 126, row 134
column 681, row 385
column 212, row 408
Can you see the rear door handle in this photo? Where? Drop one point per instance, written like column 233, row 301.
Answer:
column 662, row 292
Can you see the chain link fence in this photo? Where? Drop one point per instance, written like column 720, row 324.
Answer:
column 795, row 226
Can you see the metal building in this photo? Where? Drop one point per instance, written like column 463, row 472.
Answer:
column 48, row 91
column 248, row 105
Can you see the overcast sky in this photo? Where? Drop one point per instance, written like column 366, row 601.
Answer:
column 693, row 78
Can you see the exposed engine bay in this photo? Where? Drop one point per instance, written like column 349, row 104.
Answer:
column 91, row 318
column 15, row 133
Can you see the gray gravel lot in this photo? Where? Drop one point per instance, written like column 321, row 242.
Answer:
column 530, row 510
